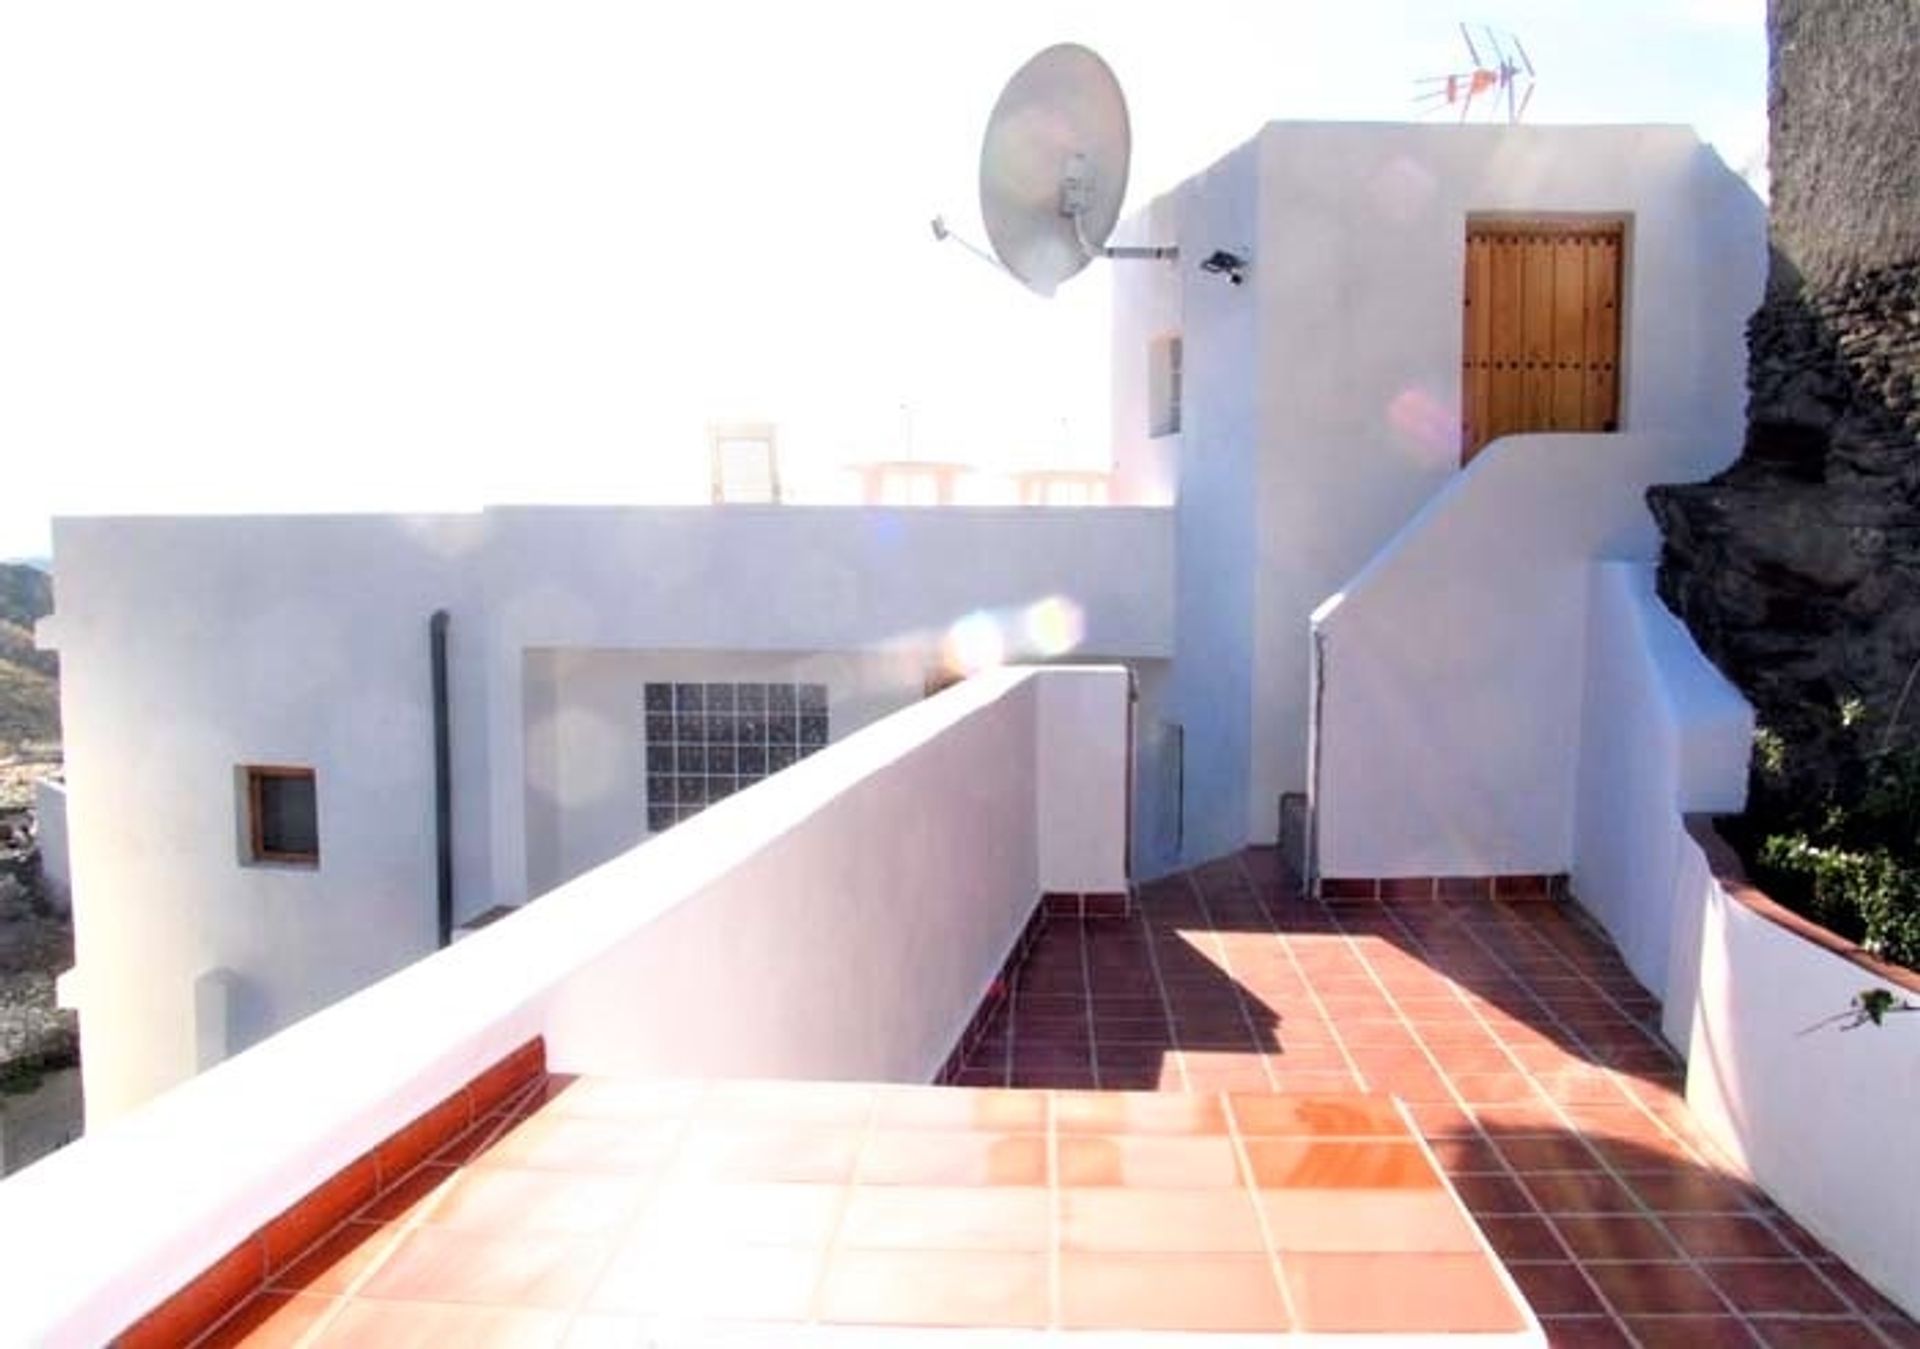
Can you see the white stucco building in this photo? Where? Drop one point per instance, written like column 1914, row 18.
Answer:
column 1271, row 436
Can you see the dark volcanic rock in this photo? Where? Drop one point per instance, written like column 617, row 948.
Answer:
column 1798, row 569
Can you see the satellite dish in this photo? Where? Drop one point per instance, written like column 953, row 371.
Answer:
column 1053, row 168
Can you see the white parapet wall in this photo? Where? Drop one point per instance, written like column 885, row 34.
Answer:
column 839, row 920
column 1450, row 671
column 1662, row 734
column 1823, row 1118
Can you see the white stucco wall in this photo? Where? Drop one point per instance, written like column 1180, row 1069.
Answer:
column 1454, row 664
column 1662, row 735
column 190, row 647
column 1822, row 1118
column 1323, row 400
column 193, row 646
column 839, row 921
column 774, row 580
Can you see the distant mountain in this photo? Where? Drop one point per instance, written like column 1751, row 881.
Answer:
column 29, row 679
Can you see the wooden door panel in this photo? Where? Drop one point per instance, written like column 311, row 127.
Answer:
column 1542, row 329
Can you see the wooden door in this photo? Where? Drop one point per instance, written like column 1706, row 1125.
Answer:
column 1542, row 349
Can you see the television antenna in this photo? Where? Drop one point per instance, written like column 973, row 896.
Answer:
column 1053, row 170
column 1508, row 73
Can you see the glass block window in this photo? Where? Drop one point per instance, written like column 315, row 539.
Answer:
column 704, row 742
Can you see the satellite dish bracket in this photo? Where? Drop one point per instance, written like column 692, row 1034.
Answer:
column 1076, row 196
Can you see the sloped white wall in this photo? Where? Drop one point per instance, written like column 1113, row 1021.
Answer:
column 1662, row 734
column 1454, row 664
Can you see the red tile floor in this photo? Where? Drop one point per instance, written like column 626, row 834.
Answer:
column 1527, row 1053
column 601, row 1212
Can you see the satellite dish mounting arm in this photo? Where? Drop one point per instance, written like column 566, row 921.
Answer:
column 1076, row 196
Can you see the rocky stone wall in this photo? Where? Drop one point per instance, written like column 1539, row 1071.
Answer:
column 1798, row 569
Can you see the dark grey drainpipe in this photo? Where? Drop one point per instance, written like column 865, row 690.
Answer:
column 442, row 775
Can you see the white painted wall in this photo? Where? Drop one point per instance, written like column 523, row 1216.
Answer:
column 1323, row 399
column 1823, row 1119
column 192, row 646
column 1662, row 735
column 1210, row 689
column 50, row 838
column 840, row 920
column 1081, row 769
column 1361, row 266
column 786, row 580
column 586, row 786
column 1454, row 664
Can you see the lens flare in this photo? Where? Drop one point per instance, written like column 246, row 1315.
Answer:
column 1053, row 626
column 974, row 643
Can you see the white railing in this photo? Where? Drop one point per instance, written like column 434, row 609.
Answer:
column 841, row 919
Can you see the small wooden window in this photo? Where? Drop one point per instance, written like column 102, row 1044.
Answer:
column 283, row 816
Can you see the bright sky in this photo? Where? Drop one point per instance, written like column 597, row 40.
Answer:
column 399, row 255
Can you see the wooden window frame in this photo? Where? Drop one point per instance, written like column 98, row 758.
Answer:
column 257, row 776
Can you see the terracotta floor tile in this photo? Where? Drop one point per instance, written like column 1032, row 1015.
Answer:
column 634, row 1101
column 1593, row 1236
column 1787, row 1286
column 270, row 1321
column 768, row 1152
column 1323, row 1117
column 1578, row 1192
column 1514, row 1237
column 1492, row 1194
column 426, row 1325
column 960, row 1110
column 566, row 1143
column 1458, row 1156
column 1639, row 1288
column 1690, row 1192
column 1076, row 1112
column 1557, row 1289
column 700, row 1214
column 1398, row 1293
column 846, row 1104
column 935, row 1288
column 1329, row 1164
column 1158, row 1220
column 1152, row 1162
column 1691, row 1332
column 434, row 1264
column 902, row 1217
column 1584, row 1332
column 940, row 1157
column 1170, row 1292
column 1547, row 1152
column 1725, row 1236
column 1792, row 1332
column 502, row 1199
column 1365, row 1220
column 707, row 1283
